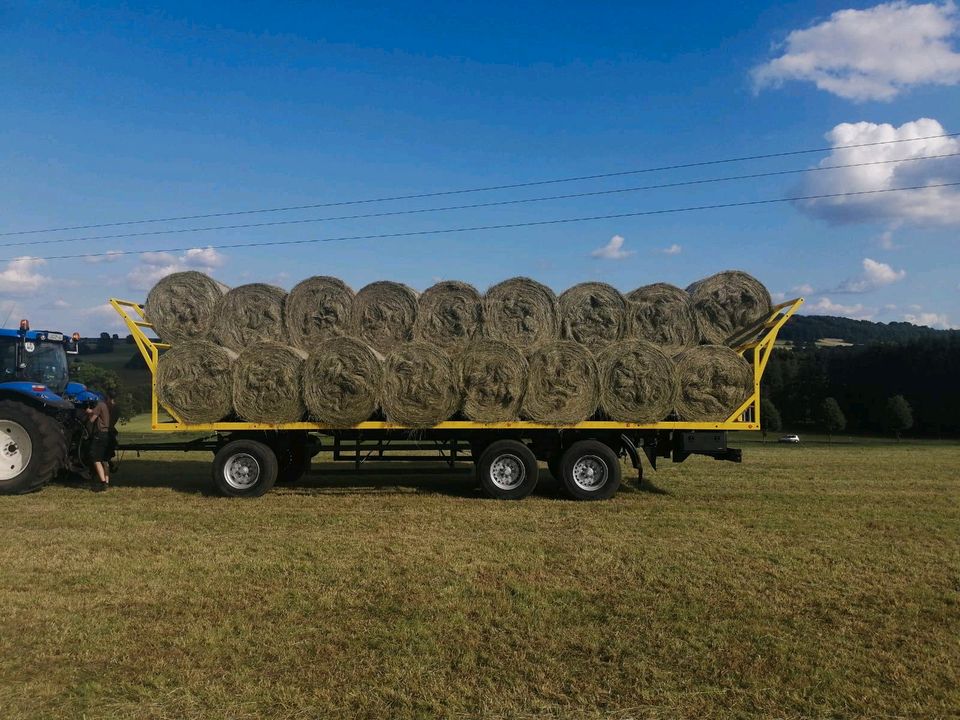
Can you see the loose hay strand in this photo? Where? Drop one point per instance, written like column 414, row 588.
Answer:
column 521, row 311
column 195, row 381
column 726, row 303
column 384, row 314
column 662, row 314
column 342, row 382
column 714, row 382
column 316, row 310
column 267, row 383
column 563, row 384
column 638, row 382
column 448, row 314
column 250, row 314
column 493, row 379
column 182, row 306
column 420, row 386
column 593, row 314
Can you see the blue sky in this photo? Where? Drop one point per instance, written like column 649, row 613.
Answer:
column 114, row 112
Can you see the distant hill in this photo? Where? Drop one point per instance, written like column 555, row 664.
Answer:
column 810, row 328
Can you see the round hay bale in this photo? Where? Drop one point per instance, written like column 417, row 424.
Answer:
column 195, row 381
column 420, row 386
column 521, row 311
column 267, row 383
column 726, row 303
column 316, row 310
column 249, row 314
column 562, row 384
column 448, row 314
column 493, row 379
column 182, row 306
column 384, row 314
column 714, row 382
column 342, row 382
column 638, row 382
column 662, row 314
column 594, row 314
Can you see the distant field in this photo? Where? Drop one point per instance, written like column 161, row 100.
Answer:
column 810, row 581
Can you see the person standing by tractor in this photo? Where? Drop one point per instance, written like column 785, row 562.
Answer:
column 101, row 427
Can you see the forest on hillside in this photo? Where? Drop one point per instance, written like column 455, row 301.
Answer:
column 810, row 328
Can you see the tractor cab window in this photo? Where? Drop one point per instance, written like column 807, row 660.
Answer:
column 46, row 363
column 8, row 359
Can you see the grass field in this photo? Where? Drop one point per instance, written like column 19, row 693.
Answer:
column 810, row 581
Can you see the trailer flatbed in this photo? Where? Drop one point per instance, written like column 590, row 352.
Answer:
column 251, row 456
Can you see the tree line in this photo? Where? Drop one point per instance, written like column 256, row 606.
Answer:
column 887, row 388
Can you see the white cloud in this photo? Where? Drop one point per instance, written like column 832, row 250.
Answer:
column 613, row 250
column 871, row 54
column 21, row 277
column 885, row 241
column 930, row 319
column 672, row 250
column 927, row 206
column 875, row 275
column 156, row 265
column 825, row 306
column 108, row 257
column 804, row 289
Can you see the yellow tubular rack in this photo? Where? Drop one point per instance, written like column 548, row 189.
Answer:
column 759, row 338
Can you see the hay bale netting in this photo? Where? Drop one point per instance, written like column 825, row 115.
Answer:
column 248, row 315
column 384, row 314
column 195, row 381
column 316, row 310
column 562, row 384
column 267, row 383
column 521, row 311
column 638, row 382
column 420, row 385
column 714, row 382
column 593, row 314
column 342, row 381
column 493, row 379
column 726, row 303
column 448, row 314
column 662, row 314
column 182, row 306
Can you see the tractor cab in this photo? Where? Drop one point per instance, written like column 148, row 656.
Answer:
column 35, row 357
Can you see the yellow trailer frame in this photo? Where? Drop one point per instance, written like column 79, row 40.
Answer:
column 759, row 338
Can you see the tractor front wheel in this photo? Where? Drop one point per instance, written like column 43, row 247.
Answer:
column 33, row 448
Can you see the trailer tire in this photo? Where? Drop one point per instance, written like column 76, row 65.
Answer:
column 293, row 460
column 590, row 470
column 507, row 470
column 244, row 468
column 33, row 448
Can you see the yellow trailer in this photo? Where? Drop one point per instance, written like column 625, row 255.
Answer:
column 250, row 457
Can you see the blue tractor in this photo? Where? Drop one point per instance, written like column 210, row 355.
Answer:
column 41, row 414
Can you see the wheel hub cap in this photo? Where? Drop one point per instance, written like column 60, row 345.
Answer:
column 590, row 473
column 242, row 471
column 507, row 472
column 16, row 449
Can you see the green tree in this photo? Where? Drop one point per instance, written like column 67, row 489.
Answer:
column 831, row 417
column 898, row 415
column 769, row 418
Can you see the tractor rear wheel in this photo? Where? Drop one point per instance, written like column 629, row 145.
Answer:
column 33, row 448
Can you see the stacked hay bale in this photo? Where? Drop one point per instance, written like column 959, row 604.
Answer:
column 517, row 351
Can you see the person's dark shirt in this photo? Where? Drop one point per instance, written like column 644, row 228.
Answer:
column 99, row 417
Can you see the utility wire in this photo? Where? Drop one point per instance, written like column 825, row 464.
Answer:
column 490, row 188
column 561, row 221
column 499, row 203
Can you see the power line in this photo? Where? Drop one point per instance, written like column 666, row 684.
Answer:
column 473, row 206
column 490, row 188
column 560, row 221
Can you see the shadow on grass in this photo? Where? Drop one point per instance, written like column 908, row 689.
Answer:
column 325, row 478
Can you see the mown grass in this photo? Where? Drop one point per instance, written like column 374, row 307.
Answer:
column 807, row 582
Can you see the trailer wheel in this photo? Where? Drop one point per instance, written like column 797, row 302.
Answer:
column 590, row 470
column 33, row 448
column 507, row 470
column 244, row 468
